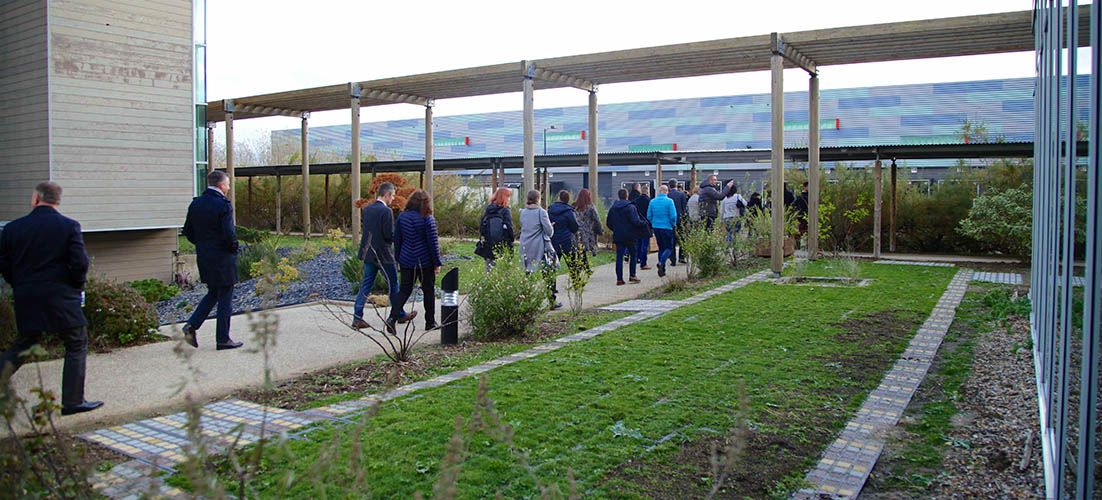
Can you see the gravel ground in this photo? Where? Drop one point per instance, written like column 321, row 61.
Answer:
column 320, row 277
column 998, row 409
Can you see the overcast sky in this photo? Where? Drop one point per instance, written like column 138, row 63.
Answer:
column 262, row 46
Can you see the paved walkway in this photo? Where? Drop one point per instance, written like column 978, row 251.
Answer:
column 141, row 381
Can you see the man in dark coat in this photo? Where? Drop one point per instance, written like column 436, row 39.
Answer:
column 209, row 226
column 680, row 203
column 642, row 203
column 42, row 257
column 377, row 252
column 710, row 196
column 626, row 226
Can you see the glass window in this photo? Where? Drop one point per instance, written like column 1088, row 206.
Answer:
column 199, row 11
column 200, row 79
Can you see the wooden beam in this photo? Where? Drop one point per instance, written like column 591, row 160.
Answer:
column 813, row 168
column 776, row 244
column 354, row 189
column 529, row 132
column 554, row 76
column 305, row 176
column 593, row 177
column 429, row 150
column 254, row 109
column 395, row 97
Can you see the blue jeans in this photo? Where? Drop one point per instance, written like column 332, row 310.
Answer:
column 223, row 296
column 665, row 245
column 622, row 248
column 371, row 270
column 641, row 248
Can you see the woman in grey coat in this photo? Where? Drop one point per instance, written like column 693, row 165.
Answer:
column 535, row 241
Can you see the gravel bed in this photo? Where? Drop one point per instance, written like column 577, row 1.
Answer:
column 998, row 406
column 320, row 277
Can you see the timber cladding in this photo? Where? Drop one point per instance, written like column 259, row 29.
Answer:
column 24, row 126
column 121, row 111
column 131, row 255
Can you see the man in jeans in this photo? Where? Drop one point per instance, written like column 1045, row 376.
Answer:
column 662, row 215
column 376, row 250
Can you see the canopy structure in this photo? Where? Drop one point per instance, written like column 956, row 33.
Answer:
column 807, row 50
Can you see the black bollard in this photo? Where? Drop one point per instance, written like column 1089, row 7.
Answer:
column 449, row 307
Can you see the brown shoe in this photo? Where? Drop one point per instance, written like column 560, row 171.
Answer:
column 645, row 268
column 408, row 317
column 619, row 282
column 360, row 324
column 633, row 279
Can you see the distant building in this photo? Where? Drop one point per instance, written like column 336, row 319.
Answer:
column 100, row 96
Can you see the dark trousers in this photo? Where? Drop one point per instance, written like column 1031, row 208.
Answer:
column 427, row 275
column 223, row 296
column 642, row 246
column 72, row 374
column 665, row 245
column 679, row 251
column 629, row 248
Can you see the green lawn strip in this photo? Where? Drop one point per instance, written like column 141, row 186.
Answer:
column 489, row 350
column 918, row 461
column 676, row 289
column 675, row 374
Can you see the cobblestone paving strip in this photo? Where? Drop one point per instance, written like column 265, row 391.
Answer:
column 1003, row 278
column 161, row 443
column 846, row 463
column 915, row 263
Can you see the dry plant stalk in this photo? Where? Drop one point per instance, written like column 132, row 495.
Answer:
column 737, row 438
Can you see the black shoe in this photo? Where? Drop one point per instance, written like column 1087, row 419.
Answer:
column 682, row 261
column 390, row 326
column 661, row 271
column 407, row 317
column 81, row 408
column 556, row 305
column 189, row 335
column 230, row 345
column 431, row 326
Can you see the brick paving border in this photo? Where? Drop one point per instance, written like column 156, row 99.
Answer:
column 160, row 443
column 1003, row 278
column 848, row 460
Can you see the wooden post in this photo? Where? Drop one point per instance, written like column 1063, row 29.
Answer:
column 228, row 106
column 279, row 204
column 429, row 152
column 250, row 199
column 305, row 177
column 493, row 167
column 593, row 177
column 546, row 188
column 694, row 183
column 210, row 150
column 813, row 168
column 327, row 211
column 776, row 65
column 529, row 132
column 891, row 211
column 354, row 190
column 878, row 200
column 657, row 173
column 420, row 180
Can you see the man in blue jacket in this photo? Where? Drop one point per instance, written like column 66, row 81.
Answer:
column 663, row 218
column 42, row 257
column 209, row 226
column 626, row 226
column 376, row 250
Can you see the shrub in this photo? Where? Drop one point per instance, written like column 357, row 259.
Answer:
column 249, row 235
column 154, row 290
column 277, row 276
column 304, row 253
column 266, row 250
column 706, row 249
column 8, row 329
column 1003, row 220
column 352, row 268
column 506, row 301
column 117, row 314
column 334, row 240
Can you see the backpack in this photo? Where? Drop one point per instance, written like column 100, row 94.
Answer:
column 741, row 207
column 492, row 229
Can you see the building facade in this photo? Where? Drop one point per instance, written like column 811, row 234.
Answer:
column 100, row 97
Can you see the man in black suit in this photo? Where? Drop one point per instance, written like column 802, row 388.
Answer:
column 377, row 252
column 680, row 204
column 42, row 257
column 209, row 226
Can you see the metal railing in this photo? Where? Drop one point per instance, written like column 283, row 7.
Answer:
column 1065, row 351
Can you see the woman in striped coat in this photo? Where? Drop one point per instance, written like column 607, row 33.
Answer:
column 417, row 251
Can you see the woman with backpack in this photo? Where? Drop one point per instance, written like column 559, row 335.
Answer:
column 495, row 229
column 589, row 223
column 417, row 251
column 535, row 242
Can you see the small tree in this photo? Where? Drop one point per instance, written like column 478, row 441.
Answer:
column 1003, row 220
column 579, row 271
column 705, row 248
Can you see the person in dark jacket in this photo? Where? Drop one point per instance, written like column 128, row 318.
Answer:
column 642, row 203
column 800, row 204
column 495, row 229
column 42, row 257
column 710, row 196
column 565, row 221
column 377, row 223
column 626, row 226
column 754, row 206
column 680, row 203
column 209, row 226
column 418, row 249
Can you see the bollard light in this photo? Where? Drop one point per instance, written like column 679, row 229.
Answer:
column 449, row 307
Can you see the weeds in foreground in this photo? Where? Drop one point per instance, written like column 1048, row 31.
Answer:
column 735, row 444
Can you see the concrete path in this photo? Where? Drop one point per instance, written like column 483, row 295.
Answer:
column 141, row 381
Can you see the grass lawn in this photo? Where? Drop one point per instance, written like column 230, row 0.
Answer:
column 632, row 413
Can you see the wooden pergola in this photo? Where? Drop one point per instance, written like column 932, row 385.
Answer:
column 807, row 50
